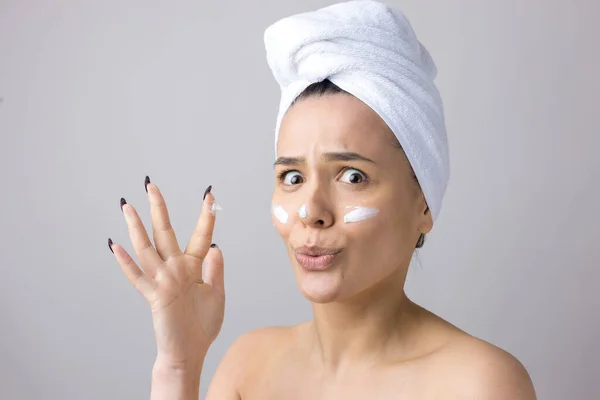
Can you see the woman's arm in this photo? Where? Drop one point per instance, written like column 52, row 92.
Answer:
column 184, row 289
column 175, row 382
column 183, row 382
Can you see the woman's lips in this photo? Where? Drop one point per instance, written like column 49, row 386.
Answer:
column 316, row 259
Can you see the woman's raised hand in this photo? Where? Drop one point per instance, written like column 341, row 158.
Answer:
column 187, row 307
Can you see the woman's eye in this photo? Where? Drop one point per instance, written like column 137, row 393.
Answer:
column 353, row 176
column 292, row 178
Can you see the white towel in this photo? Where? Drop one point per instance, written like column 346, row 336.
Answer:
column 371, row 51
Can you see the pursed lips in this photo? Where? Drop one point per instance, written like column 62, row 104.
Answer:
column 316, row 251
column 315, row 258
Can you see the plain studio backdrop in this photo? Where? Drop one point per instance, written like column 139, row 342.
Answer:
column 96, row 95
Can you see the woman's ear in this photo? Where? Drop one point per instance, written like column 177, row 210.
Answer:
column 426, row 221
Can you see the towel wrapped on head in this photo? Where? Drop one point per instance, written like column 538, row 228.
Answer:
column 369, row 50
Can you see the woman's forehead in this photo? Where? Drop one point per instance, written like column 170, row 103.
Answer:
column 333, row 123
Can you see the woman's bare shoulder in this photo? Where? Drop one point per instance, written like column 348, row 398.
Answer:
column 266, row 342
column 478, row 369
column 250, row 358
column 468, row 366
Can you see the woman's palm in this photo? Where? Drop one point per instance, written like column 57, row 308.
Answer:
column 187, row 311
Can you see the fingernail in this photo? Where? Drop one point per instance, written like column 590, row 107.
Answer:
column 146, row 182
column 110, row 243
column 207, row 191
column 213, row 245
column 123, row 202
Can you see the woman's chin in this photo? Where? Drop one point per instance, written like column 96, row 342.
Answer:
column 320, row 287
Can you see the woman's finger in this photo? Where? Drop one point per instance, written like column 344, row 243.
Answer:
column 164, row 235
column 201, row 239
column 214, row 269
column 142, row 246
column 136, row 276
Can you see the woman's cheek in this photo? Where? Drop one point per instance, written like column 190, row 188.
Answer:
column 356, row 214
column 282, row 219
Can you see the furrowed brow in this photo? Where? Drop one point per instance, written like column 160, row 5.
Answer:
column 345, row 156
column 289, row 161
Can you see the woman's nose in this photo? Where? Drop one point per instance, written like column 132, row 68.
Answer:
column 316, row 212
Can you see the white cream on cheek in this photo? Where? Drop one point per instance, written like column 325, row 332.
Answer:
column 280, row 213
column 358, row 214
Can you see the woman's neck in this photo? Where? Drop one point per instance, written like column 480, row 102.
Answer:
column 363, row 330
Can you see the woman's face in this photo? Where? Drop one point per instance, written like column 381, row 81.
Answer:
column 345, row 201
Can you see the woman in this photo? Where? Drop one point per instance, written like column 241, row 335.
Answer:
column 361, row 169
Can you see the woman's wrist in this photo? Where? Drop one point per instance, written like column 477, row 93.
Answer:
column 176, row 380
column 190, row 365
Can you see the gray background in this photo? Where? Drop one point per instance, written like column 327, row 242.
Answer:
column 98, row 94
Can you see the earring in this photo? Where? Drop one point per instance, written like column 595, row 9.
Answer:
column 421, row 241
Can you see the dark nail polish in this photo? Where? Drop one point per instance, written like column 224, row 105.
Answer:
column 110, row 243
column 208, row 189
column 146, row 182
column 213, row 245
column 123, row 202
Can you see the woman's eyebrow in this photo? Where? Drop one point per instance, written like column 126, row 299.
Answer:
column 289, row 161
column 345, row 156
column 326, row 157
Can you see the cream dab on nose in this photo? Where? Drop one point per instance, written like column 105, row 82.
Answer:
column 303, row 211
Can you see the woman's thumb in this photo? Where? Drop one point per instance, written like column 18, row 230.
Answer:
column 213, row 268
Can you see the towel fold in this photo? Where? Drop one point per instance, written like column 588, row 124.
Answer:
column 371, row 51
